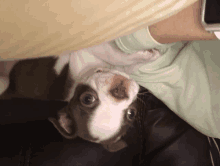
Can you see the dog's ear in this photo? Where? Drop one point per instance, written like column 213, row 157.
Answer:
column 121, row 144
column 64, row 124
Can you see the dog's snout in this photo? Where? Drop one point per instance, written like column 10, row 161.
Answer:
column 119, row 87
column 119, row 91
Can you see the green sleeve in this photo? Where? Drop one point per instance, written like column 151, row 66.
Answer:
column 140, row 40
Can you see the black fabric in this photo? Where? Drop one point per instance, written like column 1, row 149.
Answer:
column 21, row 110
column 39, row 144
column 214, row 150
column 29, row 139
column 168, row 139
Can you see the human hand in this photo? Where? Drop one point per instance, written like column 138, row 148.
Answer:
column 183, row 26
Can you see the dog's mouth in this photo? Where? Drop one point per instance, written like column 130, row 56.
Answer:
column 112, row 71
column 117, row 139
column 102, row 70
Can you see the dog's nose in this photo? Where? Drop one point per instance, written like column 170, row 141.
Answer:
column 119, row 87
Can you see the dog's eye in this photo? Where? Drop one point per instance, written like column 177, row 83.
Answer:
column 131, row 113
column 87, row 99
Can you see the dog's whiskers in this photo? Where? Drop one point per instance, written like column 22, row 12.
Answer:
column 144, row 93
column 141, row 100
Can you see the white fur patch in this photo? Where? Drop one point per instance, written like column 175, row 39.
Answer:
column 107, row 119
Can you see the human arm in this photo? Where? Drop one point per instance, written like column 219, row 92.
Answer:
column 184, row 26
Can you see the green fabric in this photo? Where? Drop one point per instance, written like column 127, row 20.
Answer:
column 140, row 40
column 186, row 79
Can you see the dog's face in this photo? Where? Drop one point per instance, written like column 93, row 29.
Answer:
column 101, row 110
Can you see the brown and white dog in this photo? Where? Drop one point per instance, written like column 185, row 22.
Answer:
column 101, row 110
column 101, row 100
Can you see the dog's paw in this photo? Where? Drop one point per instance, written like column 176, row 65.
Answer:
column 4, row 83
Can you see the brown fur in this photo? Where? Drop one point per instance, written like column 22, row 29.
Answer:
column 35, row 78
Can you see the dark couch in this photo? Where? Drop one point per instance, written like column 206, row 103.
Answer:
column 158, row 138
